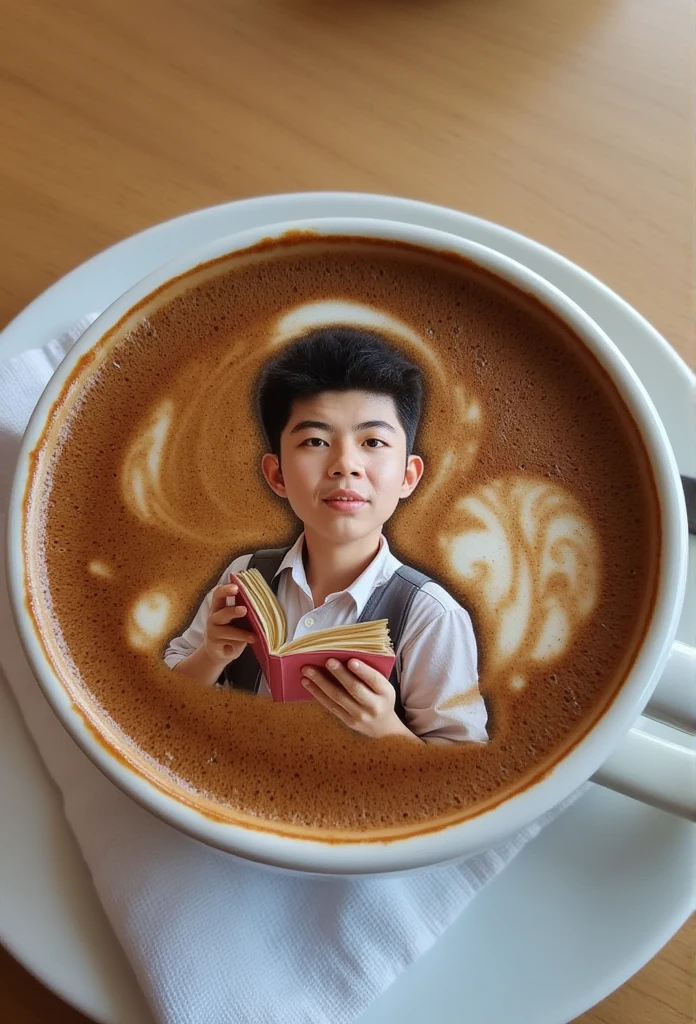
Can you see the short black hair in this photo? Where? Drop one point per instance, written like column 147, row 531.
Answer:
column 337, row 359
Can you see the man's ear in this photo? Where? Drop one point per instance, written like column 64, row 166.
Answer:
column 414, row 471
column 270, row 467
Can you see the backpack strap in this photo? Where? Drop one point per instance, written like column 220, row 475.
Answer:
column 245, row 672
column 392, row 601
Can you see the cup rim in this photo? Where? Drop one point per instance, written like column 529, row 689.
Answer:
column 513, row 813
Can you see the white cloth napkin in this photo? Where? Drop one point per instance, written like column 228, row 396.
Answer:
column 214, row 939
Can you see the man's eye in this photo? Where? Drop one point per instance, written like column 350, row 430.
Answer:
column 310, row 440
column 377, row 440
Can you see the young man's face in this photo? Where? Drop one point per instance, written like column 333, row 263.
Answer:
column 342, row 441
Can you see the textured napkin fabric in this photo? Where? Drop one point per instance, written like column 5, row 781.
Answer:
column 214, row 939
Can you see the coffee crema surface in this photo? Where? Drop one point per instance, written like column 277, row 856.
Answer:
column 537, row 511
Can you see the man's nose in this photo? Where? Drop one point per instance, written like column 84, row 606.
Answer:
column 346, row 462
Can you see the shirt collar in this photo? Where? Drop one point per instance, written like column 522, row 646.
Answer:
column 380, row 569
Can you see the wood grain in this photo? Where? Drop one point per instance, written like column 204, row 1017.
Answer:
column 570, row 122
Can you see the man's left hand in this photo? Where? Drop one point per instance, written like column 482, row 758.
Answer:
column 359, row 696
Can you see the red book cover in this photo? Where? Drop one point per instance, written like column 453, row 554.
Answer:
column 283, row 672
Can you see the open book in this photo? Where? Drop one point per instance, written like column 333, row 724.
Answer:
column 282, row 662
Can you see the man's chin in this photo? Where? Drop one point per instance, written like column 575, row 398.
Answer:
column 343, row 527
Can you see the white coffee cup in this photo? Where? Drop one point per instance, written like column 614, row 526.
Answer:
column 612, row 752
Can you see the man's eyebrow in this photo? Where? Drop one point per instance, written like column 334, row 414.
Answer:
column 320, row 425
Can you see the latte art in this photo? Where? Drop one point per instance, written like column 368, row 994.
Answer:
column 535, row 511
column 529, row 550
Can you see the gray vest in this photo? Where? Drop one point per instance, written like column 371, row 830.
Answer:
column 391, row 601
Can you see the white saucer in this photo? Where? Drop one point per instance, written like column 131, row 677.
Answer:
column 583, row 908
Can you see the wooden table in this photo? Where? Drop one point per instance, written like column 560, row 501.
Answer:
column 570, row 122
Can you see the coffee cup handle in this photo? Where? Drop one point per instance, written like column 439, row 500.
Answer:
column 654, row 770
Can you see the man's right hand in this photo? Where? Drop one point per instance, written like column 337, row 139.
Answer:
column 224, row 642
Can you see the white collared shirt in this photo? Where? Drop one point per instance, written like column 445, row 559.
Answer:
column 436, row 660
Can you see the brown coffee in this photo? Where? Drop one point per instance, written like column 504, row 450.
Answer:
column 537, row 510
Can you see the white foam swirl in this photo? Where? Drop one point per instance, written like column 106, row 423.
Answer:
column 529, row 552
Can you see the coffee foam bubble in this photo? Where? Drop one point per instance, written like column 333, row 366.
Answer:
column 535, row 511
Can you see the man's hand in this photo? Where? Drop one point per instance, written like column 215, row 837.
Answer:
column 223, row 641
column 359, row 696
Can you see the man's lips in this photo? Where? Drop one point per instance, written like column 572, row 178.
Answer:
column 351, row 504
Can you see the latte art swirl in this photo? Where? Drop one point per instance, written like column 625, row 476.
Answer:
column 528, row 554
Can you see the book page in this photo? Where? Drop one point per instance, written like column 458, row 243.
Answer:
column 368, row 637
column 267, row 607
